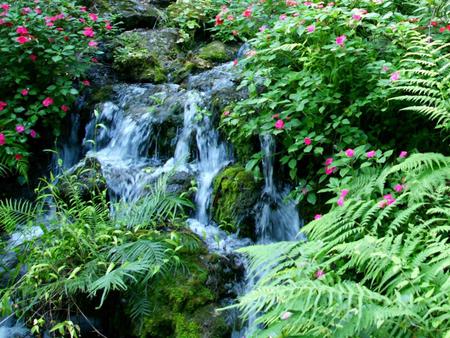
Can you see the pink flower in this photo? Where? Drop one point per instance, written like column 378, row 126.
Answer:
column 319, row 274
column 340, row 201
column 64, row 108
column 395, row 76
column 340, row 40
column 92, row 43
column 5, row 7
column 403, row 154
column 219, row 20
column 234, row 32
column 22, row 30
column 22, row 39
column 308, row 3
column 108, row 26
column 247, row 13
column 24, row 92
column 47, row 102
column 83, row 8
column 89, row 32
column 307, row 141
column 382, row 204
column 389, row 199
column 226, row 113
column 283, row 17
column 33, row 57
column 328, row 161
column 262, row 28
column 93, row 16
column 371, row 153
column 86, row 83
column 398, row 188
column 291, row 3
column 26, row 10
column 276, row 116
column 329, row 170
column 95, row 60
column 82, row 20
column 385, row 68
column 317, row 216
column 235, row 62
column 311, row 28
column 286, row 315
column 2, row 139
column 20, row 128
column 344, row 193
column 279, row 124
column 37, row 10
column 356, row 17
column 2, row 105
column 350, row 152
column 33, row 133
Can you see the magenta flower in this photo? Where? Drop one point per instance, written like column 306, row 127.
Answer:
column 340, row 201
column 286, row 315
column 2, row 139
column 350, row 152
column 33, row 133
column 262, row 28
column 328, row 161
column 279, row 124
column 3, row 105
column 89, row 32
column 235, row 62
column 371, row 153
column 329, row 170
column 64, row 108
column 399, row 187
column 24, row 92
column 385, row 68
column 403, row 154
column 247, row 13
column 389, row 199
column 319, row 274
column 226, row 113
column 22, row 30
column 317, row 216
column 283, row 17
column 311, row 28
column 20, row 128
column 307, row 141
column 92, row 43
column 395, row 76
column 47, row 102
column 340, row 40
column 86, row 83
column 108, row 26
column 22, row 39
column 356, row 17
column 344, row 193
column 93, row 16
column 33, row 57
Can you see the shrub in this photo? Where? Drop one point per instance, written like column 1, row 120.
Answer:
column 46, row 49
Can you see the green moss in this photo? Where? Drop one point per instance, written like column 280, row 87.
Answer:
column 133, row 61
column 235, row 194
column 102, row 94
column 214, row 51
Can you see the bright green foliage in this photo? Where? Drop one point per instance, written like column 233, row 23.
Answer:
column 426, row 67
column 369, row 268
column 84, row 252
column 45, row 53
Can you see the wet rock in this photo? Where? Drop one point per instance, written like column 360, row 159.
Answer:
column 216, row 51
column 235, row 195
column 147, row 55
column 180, row 182
column 134, row 13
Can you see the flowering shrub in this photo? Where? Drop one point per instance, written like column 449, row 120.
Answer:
column 319, row 77
column 46, row 49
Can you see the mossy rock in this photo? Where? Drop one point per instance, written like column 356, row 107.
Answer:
column 215, row 51
column 235, row 194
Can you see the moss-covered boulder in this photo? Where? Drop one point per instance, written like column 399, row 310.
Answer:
column 215, row 51
column 146, row 55
column 235, row 195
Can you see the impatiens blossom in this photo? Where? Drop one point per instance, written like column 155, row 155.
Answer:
column 33, row 57
column 226, row 113
column 328, row 161
column 311, row 28
column 283, row 17
column 2, row 139
column 279, row 124
column 32, row 133
column 22, row 39
column 235, row 62
column 403, row 154
column 24, row 92
column 344, row 193
column 86, row 83
column 108, row 26
column 340, row 201
column 340, row 40
column 395, row 76
column 89, row 32
column 219, row 20
column 371, row 153
column 64, row 108
column 5, row 7
column 286, row 315
column 398, row 188
column 442, row 29
column 350, row 152
column 20, row 128
column 92, row 43
column 356, row 17
column 329, row 170
column 247, row 13
column 47, row 102
column 18, row 157
column 291, row 3
column 307, row 141
column 93, row 16
column 389, row 199
column 319, row 274
column 22, row 30
column 3, row 105
column 317, row 216
column 262, row 28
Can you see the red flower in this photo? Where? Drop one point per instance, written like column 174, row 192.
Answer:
column 247, row 13
column 2, row 139
column 448, row 27
column 108, row 26
column 33, row 133
column 219, row 20
column 18, row 157
column 307, row 141
column 83, row 8
column 24, row 92
column 442, row 29
column 64, row 108
column 433, row 23
column 22, row 39
column 22, row 30
column 2, row 105
column 33, row 57
column 94, row 60
column 47, row 102
column 86, row 83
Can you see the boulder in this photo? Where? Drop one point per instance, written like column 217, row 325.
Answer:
column 215, row 51
column 235, row 195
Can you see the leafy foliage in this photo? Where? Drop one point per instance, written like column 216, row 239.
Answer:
column 368, row 267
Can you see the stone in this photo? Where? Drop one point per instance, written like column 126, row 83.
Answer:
column 215, row 51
